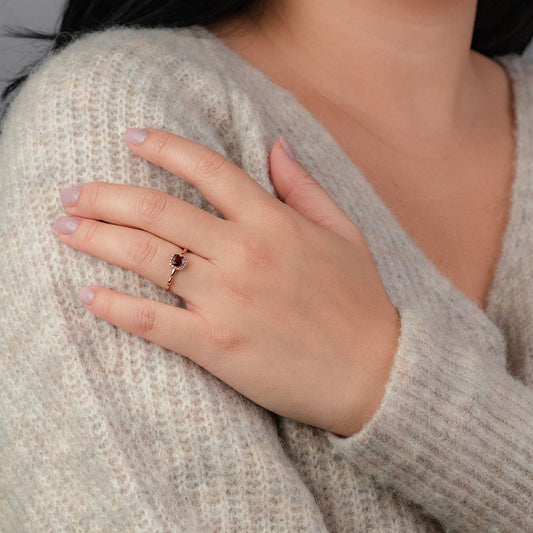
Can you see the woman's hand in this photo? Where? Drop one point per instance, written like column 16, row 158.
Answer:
column 284, row 302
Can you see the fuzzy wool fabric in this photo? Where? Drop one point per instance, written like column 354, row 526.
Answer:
column 102, row 431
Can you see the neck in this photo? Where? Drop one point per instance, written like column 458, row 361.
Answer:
column 396, row 67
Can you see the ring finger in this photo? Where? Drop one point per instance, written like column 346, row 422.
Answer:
column 140, row 252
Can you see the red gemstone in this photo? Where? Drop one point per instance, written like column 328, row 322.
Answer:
column 178, row 261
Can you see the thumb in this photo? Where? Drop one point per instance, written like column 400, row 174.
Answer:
column 300, row 191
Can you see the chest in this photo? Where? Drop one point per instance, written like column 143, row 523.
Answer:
column 456, row 214
column 464, row 244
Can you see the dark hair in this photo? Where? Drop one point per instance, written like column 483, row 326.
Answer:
column 84, row 16
column 501, row 27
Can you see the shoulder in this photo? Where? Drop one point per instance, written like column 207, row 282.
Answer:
column 119, row 50
column 121, row 65
column 180, row 79
column 73, row 109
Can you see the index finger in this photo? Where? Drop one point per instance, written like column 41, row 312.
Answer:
column 224, row 185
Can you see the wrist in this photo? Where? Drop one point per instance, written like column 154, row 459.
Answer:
column 373, row 382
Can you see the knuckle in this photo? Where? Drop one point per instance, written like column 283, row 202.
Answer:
column 93, row 192
column 253, row 252
column 106, row 305
column 232, row 285
column 222, row 338
column 284, row 221
column 325, row 220
column 141, row 250
column 268, row 211
column 152, row 205
column 90, row 235
column 300, row 195
column 143, row 319
column 162, row 146
column 209, row 164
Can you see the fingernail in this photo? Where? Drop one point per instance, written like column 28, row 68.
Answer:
column 135, row 135
column 287, row 146
column 86, row 295
column 66, row 224
column 69, row 196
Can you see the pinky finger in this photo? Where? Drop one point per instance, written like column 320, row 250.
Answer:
column 171, row 327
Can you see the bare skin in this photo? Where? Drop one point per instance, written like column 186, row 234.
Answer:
column 427, row 120
column 431, row 127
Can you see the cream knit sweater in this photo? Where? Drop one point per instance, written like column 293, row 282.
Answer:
column 103, row 431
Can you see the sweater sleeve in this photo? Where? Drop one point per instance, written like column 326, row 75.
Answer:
column 454, row 432
column 101, row 430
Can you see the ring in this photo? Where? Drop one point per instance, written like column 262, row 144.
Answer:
column 177, row 262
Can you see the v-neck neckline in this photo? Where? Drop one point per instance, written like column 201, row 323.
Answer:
column 519, row 180
column 511, row 64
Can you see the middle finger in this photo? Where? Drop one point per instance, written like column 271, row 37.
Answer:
column 163, row 215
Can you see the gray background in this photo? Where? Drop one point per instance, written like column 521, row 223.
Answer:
column 35, row 14
column 40, row 15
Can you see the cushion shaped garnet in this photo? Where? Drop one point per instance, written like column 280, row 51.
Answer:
column 178, row 261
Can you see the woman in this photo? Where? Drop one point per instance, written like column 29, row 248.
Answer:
column 355, row 358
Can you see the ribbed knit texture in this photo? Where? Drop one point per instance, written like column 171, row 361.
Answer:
column 101, row 431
